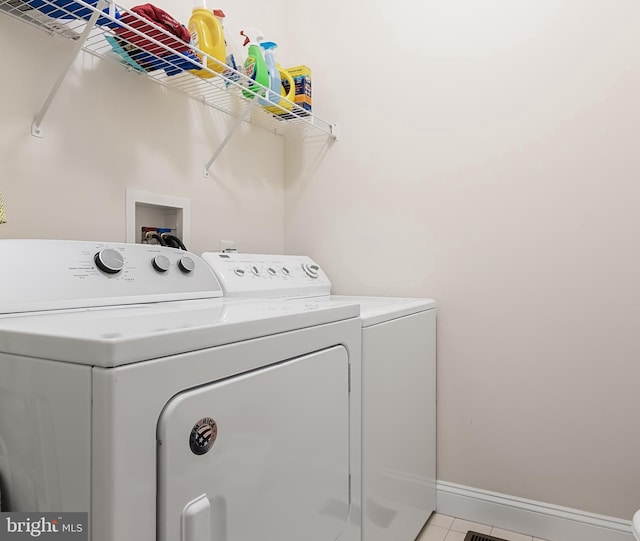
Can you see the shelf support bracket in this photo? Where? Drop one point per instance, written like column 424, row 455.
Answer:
column 334, row 132
column 36, row 130
column 239, row 120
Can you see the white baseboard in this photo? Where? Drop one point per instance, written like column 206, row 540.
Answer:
column 538, row 519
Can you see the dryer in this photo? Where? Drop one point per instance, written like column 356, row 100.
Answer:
column 131, row 390
column 398, row 385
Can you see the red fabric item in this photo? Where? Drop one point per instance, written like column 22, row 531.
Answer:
column 160, row 18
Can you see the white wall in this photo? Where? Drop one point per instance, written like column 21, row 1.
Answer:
column 109, row 130
column 488, row 153
column 489, row 158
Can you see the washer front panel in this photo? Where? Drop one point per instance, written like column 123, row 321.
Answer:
column 399, row 462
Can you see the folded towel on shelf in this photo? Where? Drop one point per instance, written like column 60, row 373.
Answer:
column 3, row 214
column 140, row 60
column 134, row 46
column 159, row 17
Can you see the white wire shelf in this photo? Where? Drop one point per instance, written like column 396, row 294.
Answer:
column 122, row 36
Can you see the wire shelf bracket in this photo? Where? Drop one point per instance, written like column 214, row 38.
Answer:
column 36, row 129
column 239, row 120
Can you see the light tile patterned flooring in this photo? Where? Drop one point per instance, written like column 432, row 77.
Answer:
column 445, row 528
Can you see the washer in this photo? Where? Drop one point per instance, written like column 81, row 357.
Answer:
column 131, row 390
column 398, row 393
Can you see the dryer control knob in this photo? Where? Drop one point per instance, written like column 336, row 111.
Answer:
column 186, row 264
column 161, row 263
column 109, row 260
column 311, row 270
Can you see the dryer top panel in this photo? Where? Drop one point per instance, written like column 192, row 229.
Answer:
column 114, row 336
column 52, row 274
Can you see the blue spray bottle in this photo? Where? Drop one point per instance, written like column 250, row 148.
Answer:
column 268, row 48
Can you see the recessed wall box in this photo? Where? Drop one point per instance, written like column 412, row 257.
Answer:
column 146, row 208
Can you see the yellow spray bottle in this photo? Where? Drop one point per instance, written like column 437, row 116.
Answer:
column 207, row 36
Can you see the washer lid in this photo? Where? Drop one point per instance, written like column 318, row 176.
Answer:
column 112, row 336
column 374, row 310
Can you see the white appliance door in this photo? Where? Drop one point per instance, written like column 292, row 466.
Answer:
column 275, row 455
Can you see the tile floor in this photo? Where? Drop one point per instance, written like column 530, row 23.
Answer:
column 445, row 528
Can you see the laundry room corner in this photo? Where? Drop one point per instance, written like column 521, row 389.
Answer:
column 487, row 159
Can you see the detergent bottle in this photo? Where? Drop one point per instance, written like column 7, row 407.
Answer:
column 287, row 91
column 207, row 35
column 254, row 66
column 234, row 68
column 268, row 48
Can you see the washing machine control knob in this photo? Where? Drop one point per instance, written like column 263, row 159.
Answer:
column 161, row 263
column 109, row 260
column 312, row 271
column 186, row 264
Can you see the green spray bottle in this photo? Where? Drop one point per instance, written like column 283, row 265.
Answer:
column 254, row 66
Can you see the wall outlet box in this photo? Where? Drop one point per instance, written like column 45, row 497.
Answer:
column 145, row 209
